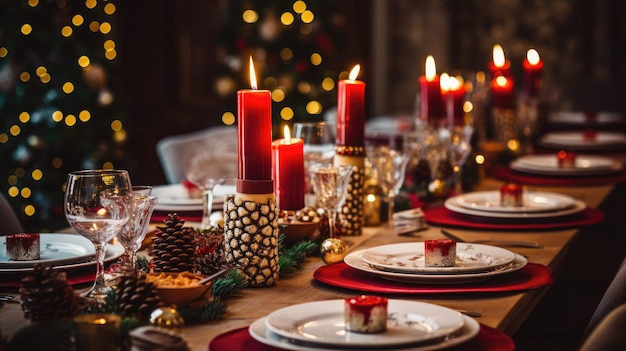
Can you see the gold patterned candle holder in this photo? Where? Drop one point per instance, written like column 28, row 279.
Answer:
column 251, row 236
column 352, row 213
column 505, row 126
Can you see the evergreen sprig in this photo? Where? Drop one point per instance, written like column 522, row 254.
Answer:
column 290, row 259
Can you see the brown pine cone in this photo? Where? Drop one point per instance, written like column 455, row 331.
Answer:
column 46, row 296
column 173, row 246
column 209, row 255
column 135, row 297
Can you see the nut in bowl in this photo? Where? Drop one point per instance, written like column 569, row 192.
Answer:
column 180, row 288
column 301, row 225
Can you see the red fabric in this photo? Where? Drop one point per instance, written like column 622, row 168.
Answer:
column 14, row 280
column 487, row 339
column 507, row 174
column 343, row 276
column 191, row 216
column 444, row 217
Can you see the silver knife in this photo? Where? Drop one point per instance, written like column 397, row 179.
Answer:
column 511, row 243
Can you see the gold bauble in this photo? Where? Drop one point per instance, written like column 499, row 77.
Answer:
column 333, row 250
column 167, row 317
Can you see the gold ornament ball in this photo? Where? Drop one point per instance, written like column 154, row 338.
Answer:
column 167, row 317
column 333, row 250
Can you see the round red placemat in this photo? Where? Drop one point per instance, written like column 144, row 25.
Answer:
column 343, row 276
column 487, row 339
column 442, row 216
column 507, row 174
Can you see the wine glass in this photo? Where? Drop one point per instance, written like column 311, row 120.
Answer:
column 319, row 147
column 98, row 203
column 330, row 184
column 459, row 150
column 132, row 234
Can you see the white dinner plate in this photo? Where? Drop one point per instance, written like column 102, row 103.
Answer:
column 259, row 331
column 533, row 201
column 452, row 205
column 113, row 252
column 584, row 165
column 575, row 140
column 55, row 249
column 174, row 197
column 577, row 117
column 409, row 258
column 355, row 260
column 322, row 323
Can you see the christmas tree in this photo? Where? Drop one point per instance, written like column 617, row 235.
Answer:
column 58, row 104
column 295, row 46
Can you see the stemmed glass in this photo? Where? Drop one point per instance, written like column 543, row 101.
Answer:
column 98, row 203
column 330, row 184
column 132, row 234
column 459, row 150
column 207, row 183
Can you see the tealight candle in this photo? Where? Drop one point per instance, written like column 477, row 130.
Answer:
column 98, row 332
column 499, row 64
column 566, row 159
column 288, row 172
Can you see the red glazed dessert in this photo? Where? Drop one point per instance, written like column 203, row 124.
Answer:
column 440, row 253
column 511, row 195
column 23, row 247
column 193, row 191
column 566, row 159
column 365, row 314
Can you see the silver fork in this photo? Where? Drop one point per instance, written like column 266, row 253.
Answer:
column 512, row 243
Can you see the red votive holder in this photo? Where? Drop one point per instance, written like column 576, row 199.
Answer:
column 365, row 314
column 566, row 159
column 440, row 253
column 23, row 247
column 511, row 194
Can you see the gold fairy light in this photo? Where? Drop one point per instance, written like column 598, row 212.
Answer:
column 70, row 120
column 109, row 9
column 299, row 6
column 286, row 113
column 24, row 76
column 13, row 191
column 84, row 61
column 24, row 117
column 29, row 210
column 3, row 51
column 228, row 118
column 286, row 54
column 15, row 130
column 26, row 192
column 108, row 165
column 109, row 45
column 307, row 16
column 57, row 162
column 316, row 59
column 278, row 95
column 116, row 125
column 67, row 31
column 12, row 180
column 78, row 20
column 250, row 16
column 110, row 54
column 119, row 136
column 36, row 174
column 287, row 18
column 314, row 107
column 4, row 137
column 33, row 3
column 57, row 116
column 40, row 71
column 26, row 29
column 90, row 4
column 328, row 84
column 94, row 26
column 68, row 87
column 304, row 87
column 105, row 27
column 84, row 116
column 45, row 78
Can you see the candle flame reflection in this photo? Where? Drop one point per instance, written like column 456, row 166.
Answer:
column 501, row 81
column 444, row 82
column 355, row 72
column 532, row 56
column 498, row 56
column 430, row 69
column 286, row 133
column 253, row 84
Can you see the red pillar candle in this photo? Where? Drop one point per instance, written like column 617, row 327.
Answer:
column 500, row 65
column 254, row 139
column 431, row 105
column 288, row 172
column 502, row 94
column 533, row 71
column 351, row 111
column 454, row 97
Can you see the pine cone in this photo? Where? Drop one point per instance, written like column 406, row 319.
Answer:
column 135, row 297
column 46, row 296
column 173, row 246
column 209, row 254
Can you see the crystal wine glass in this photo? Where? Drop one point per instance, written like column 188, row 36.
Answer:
column 331, row 189
column 459, row 150
column 132, row 234
column 98, row 203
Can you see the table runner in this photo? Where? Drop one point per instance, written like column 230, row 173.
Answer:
column 442, row 216
column 487, row 339
column 507, row 174
column 343, row 276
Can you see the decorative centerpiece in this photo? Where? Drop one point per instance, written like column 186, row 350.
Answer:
column 440, row 253
column 23, row 247
column 365, row 314
column 511, row 194
column 566, row 159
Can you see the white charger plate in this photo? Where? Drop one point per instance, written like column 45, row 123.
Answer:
column 322, row 323
column 452, row 205
column 533, row 201
column 584, row 165
column 409, row 258
column 575, row 140
column 259, row 331
column 355, row 260
column 55, row 248
column 174, row 197
column 578, row 117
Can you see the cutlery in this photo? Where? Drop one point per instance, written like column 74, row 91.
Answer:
column 512, row 243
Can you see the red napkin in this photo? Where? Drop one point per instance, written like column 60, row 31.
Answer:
column 343, row 276
column 442, row 216
column 507, row 174
column 487, row 339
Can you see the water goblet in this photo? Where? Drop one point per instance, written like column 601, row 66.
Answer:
column 133, row 233
column 207, row 184
column 98, row 203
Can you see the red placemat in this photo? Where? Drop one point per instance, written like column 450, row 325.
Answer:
column 487, row 339
column 507, row 174
column 14, row 280
column 343, row 276
column 442, row 216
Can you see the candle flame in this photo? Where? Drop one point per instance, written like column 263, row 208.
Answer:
column 455, row 83
column 498, row 56
column 253, row 84
column 468, row 106
column 501, row 81
column 444, row 82
column 430, row 69
column 100, row 321
column 532, row 56
column 355, row 72
column 287, row 133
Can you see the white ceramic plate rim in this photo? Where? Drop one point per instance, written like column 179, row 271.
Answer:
column 515, row 165
column 409, row 258
column 258, row 330
column 55, row 248
column 173, row 197
column 355, row 260
column 113, row 252
column 534, row 201
column 292, row 322
column 579, row 117
column 578, row 206
column 575, row 139
column 583, row 162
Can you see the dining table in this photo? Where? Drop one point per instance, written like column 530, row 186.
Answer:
column 505, row 311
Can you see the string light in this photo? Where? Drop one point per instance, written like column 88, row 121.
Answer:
column 287, row 18
column 250, row 16
column 228, row 118
column 286, row 113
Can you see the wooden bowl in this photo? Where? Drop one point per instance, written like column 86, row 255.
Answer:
column 297, row 231
column 173, row 292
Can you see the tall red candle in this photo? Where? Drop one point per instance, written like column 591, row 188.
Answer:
column 254, row 139
column 453, row 94
column 351, row 111
column 431, row 105
column 502, row 95
column 499, row 64
column 288, row 172
column 533, row 72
